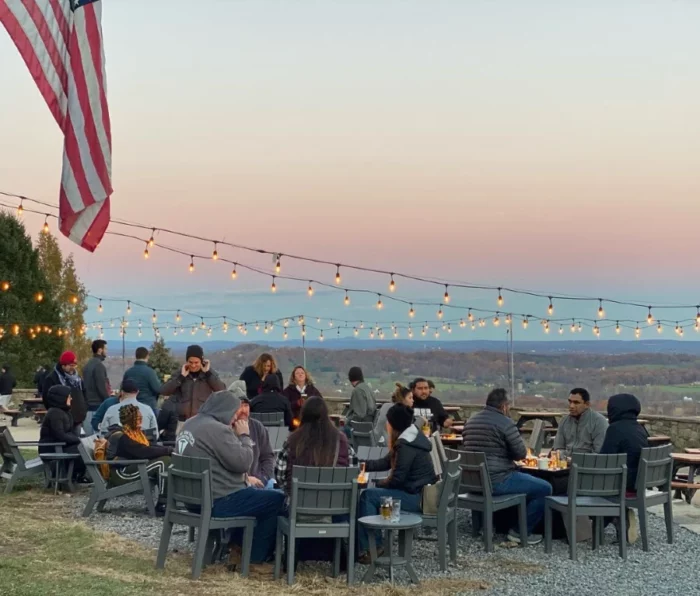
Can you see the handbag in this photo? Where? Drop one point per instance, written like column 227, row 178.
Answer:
column 430, row 499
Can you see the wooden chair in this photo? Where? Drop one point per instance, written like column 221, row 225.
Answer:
column 189, row 482
column 597, row 485
column 319, row 492
column 476, row 495
column 101, row 491
column 269, row 418
column 14, row 466
column 655, row 472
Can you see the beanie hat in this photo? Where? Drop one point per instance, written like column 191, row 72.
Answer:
column 400, row 417
column 68, row 358
column 355, row 375
column 194, row 351
column 129, row 386
column 271, row 382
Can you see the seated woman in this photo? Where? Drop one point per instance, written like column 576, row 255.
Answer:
column 129, row 442
column 58, row 427
column 410, row 466
column 271, row 401
column 301, row 387
column 401, row 395
column 255, row 374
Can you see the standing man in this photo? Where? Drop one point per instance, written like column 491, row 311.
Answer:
column 66, row 373
column 39, row 376
column 7, row 384
column 146, row 380
column 583, row 430
column 427, row 405
column 363, row 406
column 195, row 383
column 97, row 388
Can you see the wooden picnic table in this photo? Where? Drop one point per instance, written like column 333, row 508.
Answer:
column 692, row 450
column 550, row 417
column 656, row 440
column 450, row 440
column 685, row 485
column 32, row 403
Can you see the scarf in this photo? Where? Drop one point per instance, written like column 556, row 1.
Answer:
column 73, row 381
column 301, row 390
column 135, row 435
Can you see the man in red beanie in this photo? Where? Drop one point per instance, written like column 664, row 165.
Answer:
column 66, row 373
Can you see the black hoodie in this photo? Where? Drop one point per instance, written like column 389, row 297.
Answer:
column 625, row 434
column 58, row 425
column 271, row 401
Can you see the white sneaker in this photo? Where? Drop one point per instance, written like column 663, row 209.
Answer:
column 632, row 530
column 532, row 539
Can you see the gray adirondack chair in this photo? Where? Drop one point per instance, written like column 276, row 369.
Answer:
column 536, row 437
column 101, row 491
column 476, row 494
column 446, row 519
column 365, row 453
column 655, row 472
column 363, row 434
column 437, row 453
column 189, row 482
column 269, row 418
column 597, row 485
column 14, row 466
column 278, row 435
column 319, row 492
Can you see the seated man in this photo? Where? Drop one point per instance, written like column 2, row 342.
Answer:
column 428, row 406
column 111, row 420
column 583, row 430
column 215, row 433
column 492, row 432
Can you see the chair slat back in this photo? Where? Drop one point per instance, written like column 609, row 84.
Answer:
column 323, row 491
column 87, row 454
column 536, row 437
column 655, row 468
column 449, row 493
column 363, row 434
column 278, row 435
column 10, row 451
column 475, row 474
column 365, row 453
column 269, row 418
column 435, row 453
column 598, row 475
column 189, row 480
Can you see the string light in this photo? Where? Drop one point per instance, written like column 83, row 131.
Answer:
column 550, row 308
column 496, row 321
column 470, row 316
column 446, row 297
column 273, row 287
column 177, row 316
column 337, row 275
column 215, row 254
column 234, row 273
column 145, row 252
column 39, row 297
column 508, row 319
column 347, row 299
column 561, row 330
column 154, row 317
column 278, row 265
column 20, row 209
column 573, row 326
column 526, row 322
column 411, row 312
column 191, row 263
column 500, row 298
column 392, row 284
column 320, row 337
column 45, row 229
column 128, row 307
column 650, row 317
column 659, row 328
column 310, row 290
column 379, row 302
column 601, row 311
column 637, row 331
column 617, row 328
column 462, row 323
column 285, row 334
column 596, row 330
column 356, row 331
column 152, row 240
column 99, row 307
column 5, row 285
column 440, row 313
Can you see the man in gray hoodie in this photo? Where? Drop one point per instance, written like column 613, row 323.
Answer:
column 215, row 433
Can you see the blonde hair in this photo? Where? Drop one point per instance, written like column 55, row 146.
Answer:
column 400, row 393
column 262, row 359
column 309, row 378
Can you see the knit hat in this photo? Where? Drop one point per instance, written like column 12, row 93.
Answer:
column 271, row 383
column 129, row 386
column 194, row 351
column 400, row 417
column 68, row 358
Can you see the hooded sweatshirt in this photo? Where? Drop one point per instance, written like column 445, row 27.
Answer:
column 625, row 434
column 414, row 466
column 209, row 434
column 57, row 426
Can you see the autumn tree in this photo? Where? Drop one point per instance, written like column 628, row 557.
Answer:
column 30, row 319
column 161, row 359
column 68, row 292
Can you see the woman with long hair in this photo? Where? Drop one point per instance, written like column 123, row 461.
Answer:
column 410, row 469
column 301, row 387
column 402, row 395
column 255, row 374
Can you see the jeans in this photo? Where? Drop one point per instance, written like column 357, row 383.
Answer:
column 369, row 505
column 265, row 506
column 536, row 490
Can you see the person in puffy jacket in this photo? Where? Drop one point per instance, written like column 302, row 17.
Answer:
column 58, row 426
column 410, row 465
column 193, row 386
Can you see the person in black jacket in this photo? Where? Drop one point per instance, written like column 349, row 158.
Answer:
column 58, row 427
column 167, row 421
column 254, row 375
column 66, row 373
column 626, row 435
column 7, row 381
column 271, row 400
column 411, row 468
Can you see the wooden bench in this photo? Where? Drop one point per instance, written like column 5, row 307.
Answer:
column 39, row 415
column 13, row 414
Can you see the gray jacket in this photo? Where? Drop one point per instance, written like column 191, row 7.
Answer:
column 585, row 433
column 96, row 382
column 362, row 404
column 496, row 435
column 209, row 434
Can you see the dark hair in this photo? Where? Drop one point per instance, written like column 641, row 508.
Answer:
column 271, row 383
column 355, row 375
column 496, row 398
column 415, row 382
column 431, row 384
column 129, row 415
column 400, row 393
column 316, row 436
column 97, row 345
column 141, row 353
column 585, row 396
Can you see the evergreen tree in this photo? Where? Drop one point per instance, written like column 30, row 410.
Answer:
column 30, row 321
column 161, row 359
column 68, row 291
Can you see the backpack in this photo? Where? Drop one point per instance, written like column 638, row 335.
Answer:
column 102, row 447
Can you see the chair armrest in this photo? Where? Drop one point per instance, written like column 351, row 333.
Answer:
column 37, row 443
column 59, row 455
column 115, row 462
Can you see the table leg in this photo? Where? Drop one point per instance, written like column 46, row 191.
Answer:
column 390, row 546
column 691, row 478
column 372, row 555
column 408, row 550
column 676, row 468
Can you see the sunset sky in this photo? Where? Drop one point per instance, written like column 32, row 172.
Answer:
column 552, row 146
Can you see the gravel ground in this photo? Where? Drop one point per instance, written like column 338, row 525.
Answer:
column 666, row 569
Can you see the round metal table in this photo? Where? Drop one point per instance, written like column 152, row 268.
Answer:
column 405, row 526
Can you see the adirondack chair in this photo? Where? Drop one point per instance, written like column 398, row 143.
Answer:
column 476, row 494
column 597, row 485
column 536, row 437
column 365, row 453
column 269, row 418
column 437, row 453
column 14, row 466
column 189, row 482
column 278, row 435
column 101, row 491
column 319, row 492
column 363, row 434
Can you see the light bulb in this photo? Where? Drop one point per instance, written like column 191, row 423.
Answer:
column 347, row 299
column 285, row 334
column 500, row 298
column 439, row 313
column 659, row 328
column 356, row 331
column 496, row 321
column 462, row 323
column 310, row 290
column 379, row 303
column 215, row 254
column 154, row 318
column 561, row 330
column 5, row 286
column 637, row 331
column 177, row 316
column 601, row 312
column 618, row 330
column 234, row 273
column 550, row 308
column 45, row 229
column 320, row 337
column 470, row 316
column 650, row 317
column 145, row 251
column 20, row 209
column 446, row 297
column 191, row 263
column 392, row 284
column 525, row 323
column 337, row 274
column 39, row 297
column 411, row 312
column 151, row 240
column 203, row 325
column 273, row 287
column 128, row 307
column 573, row 327
column 99, row 307
column 278, row 265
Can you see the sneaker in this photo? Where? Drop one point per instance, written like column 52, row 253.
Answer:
column 532, row 539
column 632, row 530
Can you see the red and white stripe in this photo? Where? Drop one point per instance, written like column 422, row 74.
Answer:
column 63, row 50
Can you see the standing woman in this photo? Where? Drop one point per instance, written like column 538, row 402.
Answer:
column 255, row 374
column 402, row 395
column 301, row 387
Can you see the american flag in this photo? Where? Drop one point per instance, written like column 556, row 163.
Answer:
column 61, row 43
